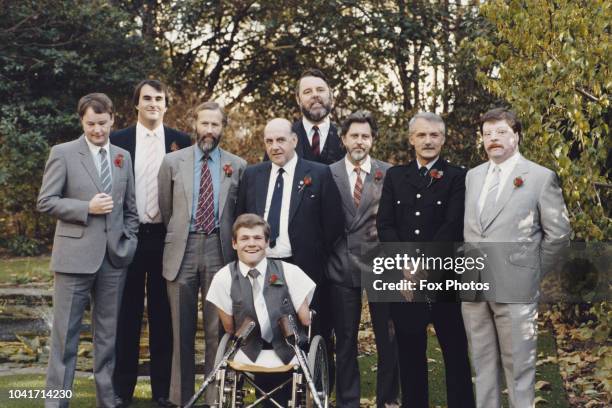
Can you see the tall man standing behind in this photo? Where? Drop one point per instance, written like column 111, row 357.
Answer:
column 197, row 195
column 147, row 142
column 359, row 178
column 89, row 187
column 423, row 202
column 510, row 199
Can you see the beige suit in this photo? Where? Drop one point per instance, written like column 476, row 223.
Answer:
column 502, row 329
column 89, row 259
column 191, row 260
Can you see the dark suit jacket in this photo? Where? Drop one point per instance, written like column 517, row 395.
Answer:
column 316, row 220
column 424, row 209
column 126, row 139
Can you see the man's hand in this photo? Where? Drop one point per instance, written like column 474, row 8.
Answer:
column 101, row 203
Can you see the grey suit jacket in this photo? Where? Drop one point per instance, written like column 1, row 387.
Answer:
column 532, row 217
column 175, row 180
column 346, row 262
column 81, row 239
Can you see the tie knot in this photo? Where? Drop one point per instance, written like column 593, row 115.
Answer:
column 102, row 152
column 423, row 171
column 496, row 169
column 357, row 170
column 315, row 129
column 253, row 273
column 281, row 170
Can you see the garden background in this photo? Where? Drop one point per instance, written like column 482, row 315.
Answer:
column 547, row 59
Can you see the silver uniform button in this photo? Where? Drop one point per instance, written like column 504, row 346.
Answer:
column 418, row 195
column 417, row 213
column 398, row 201
column 439, row 203
column 417, row 232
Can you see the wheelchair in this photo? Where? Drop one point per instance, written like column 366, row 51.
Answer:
column 233, row 376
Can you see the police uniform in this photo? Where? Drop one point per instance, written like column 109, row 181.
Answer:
column 427, row 205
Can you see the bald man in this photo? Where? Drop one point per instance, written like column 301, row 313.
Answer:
column 300, row 201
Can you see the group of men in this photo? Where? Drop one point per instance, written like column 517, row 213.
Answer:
column 143, row 210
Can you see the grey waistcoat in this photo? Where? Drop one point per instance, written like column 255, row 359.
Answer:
column 278, row 303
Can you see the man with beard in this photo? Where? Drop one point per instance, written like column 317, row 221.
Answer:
column 198, row 188
column 359, row 178
column 147, row 142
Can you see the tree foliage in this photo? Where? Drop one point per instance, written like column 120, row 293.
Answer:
column 551, row 61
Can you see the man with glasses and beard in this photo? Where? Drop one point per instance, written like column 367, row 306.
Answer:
column 198, row 188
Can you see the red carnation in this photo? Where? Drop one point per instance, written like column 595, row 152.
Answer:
column 307, row 181
column 378, row 175
column 227, row 169
column 275, row 281
column 518, row 182
column 119, row 160
column 434, row 173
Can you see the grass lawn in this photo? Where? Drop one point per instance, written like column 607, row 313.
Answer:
column 24, row 270
column 84, row 389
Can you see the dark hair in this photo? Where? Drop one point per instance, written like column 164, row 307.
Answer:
column 99, row 102
column 153, row 83
column 209, row 105
column 360, row 117
column 311, row 72
column 498, row 114
column 250, row 221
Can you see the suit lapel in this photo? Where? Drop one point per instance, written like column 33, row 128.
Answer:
column 338, row 170
column 186, row 166
column 261, row 187
column 368, row 189
column 413, row 177
column 297, row 190
column 88, row 163
column 519, row 169
column 225, row 181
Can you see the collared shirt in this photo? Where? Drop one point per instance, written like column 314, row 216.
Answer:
column 283, row 245
column 95, row 154
column 366, row 167
column 428, row 165
column 323, row 130
column 506, row 168
column 213, row 163
column 300, row 286
column 144, row 137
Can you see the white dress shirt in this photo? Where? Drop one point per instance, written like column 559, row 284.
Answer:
column 428, row 165
column 506, row 168
column 144, row 137
column 300, row 286
column 95, row 153
column 283, row 245
column 366, row 167
column 323, row 131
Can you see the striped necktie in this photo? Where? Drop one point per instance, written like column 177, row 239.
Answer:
column 151, row 170
column 105, row 174
column 205, row 215
column 358, row 187
column 316, row 140
column 488, row 207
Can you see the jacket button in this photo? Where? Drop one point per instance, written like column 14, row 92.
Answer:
column 417, row 231
column 483, row 236
column 398, row 201
column 417, row 213
column 418, row 195
column 439, row 202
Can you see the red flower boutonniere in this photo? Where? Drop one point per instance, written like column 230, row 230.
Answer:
column 119, row 160
column 518, row 182
column 307, row 181
column 227, row 169
column 436, row 174
column 174, row 147
column 378, row 175
column 275, row 280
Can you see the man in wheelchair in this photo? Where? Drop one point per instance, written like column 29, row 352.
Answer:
column 255, row 287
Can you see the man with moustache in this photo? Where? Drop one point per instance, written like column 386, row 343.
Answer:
column 147, row 142
column 197, row 195
column 359, row 178
column 88, row 186
column 509, row 199
column 301, row 202
column 423, row 202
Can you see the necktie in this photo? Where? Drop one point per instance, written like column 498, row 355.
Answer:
column 264, row 324
column 105, row 174
column 205, row 216
column 489, row 204
column 358, row 188
column 316, row 140
column 275, row 208
column 423, row 171
column 151, row 170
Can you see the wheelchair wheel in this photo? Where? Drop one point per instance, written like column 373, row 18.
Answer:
column 317, row 363
column 229, row 382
